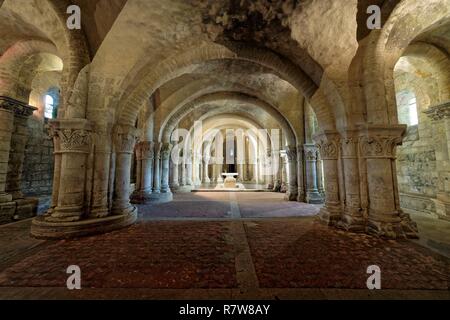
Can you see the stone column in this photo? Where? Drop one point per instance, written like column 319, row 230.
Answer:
column 183, row 174
column 206, row 179
column 71, row 216
column 258, row 171
column 101, row 172
column 291, row 155
column 328, row 145
column 188, row 160
column 267, row 169
column 320, row 174
column 300, row 175
column 157, row 170
column 377, row 146
column 312, row 192
column 175, row 178
column 284, row 170
column 165, row 166
column 246, row 161
column 124, row 143
column 240, row 172
column 7, row 207
column 440, row 116
column 197, row 168
column 74, row 144
column 353, row 218
column 219, row 169
column 144, row 184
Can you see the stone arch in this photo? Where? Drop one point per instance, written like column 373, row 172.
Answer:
column 374, row 63
column 170, row 123
column 215, row 122
column 182, row 63
column 49, row 16
column 199, row 88
column 437, row 60
column 243, row 116
column 14, row 58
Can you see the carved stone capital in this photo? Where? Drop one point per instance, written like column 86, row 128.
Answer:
column 20, row 109
column 145, row 150
column 328, row 145
column 349, row 144
column 166, row 149
column 380, row 141
column 439, row 112
column 310, row 152
column 291, row 153
column 71, row 135
column 125, row 138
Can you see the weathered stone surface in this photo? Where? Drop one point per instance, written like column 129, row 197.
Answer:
column 298, row 67
column 39, row 161
column 7, row 211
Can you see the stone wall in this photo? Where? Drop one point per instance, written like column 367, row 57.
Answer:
column 37, row 176
column 416, row 159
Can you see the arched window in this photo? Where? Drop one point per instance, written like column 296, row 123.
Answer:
column 49, row 106
column 51, row 103
column 407, row 108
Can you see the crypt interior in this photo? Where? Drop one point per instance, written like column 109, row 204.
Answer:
column 218, row 149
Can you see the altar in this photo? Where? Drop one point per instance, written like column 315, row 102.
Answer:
column 230, row 181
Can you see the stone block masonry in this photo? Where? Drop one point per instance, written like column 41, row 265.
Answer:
column 14, row 116
column 38, row 165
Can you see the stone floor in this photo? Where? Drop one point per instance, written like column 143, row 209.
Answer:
column 434, row 233
column 220, row 246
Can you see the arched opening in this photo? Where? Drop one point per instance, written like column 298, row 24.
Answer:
column 407, row 108
column 420, row 86
column 51, row 103
column 251, row 141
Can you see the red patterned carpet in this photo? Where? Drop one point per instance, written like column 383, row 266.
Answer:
column 295, row 253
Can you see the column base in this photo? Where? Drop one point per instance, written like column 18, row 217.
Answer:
column 26, row 208
column 19, row 209
column 42, row 229
column 166, row 190
column 65, row 214
column 409, row 226
column 291, row 196
column 314, row 198
column 397, row 226
column 185, row 188
column 442, row 207
column 7, row 210
column 162, row 197
column 123, row 210
column 353, row 222
column 140, row 197
column 97, row 213
column 5, row 197
column 301, row 197
column 330, row 216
